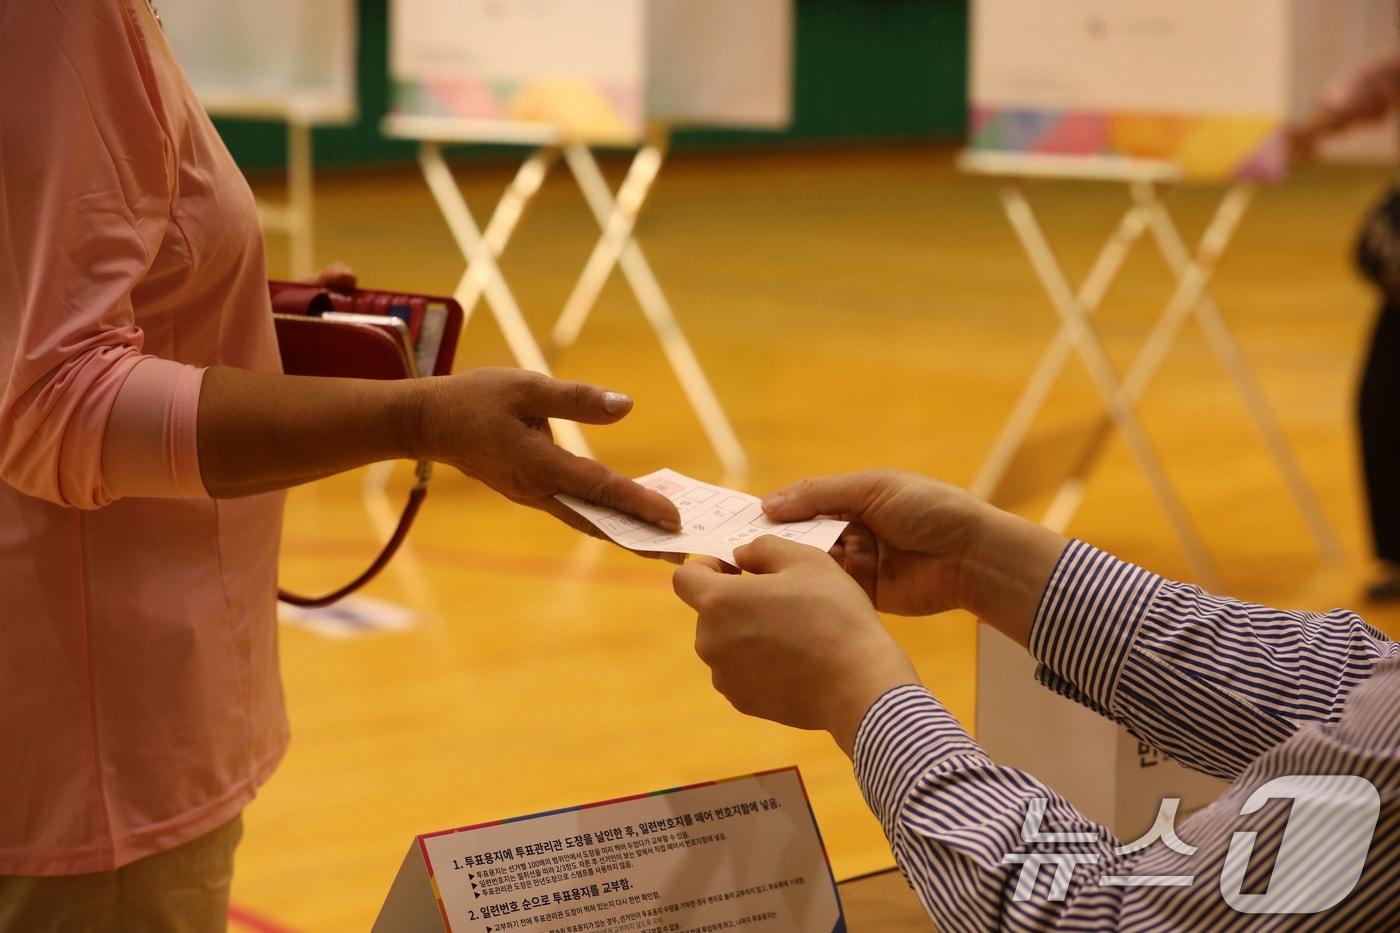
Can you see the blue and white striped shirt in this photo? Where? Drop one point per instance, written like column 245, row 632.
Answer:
column 1240, row 691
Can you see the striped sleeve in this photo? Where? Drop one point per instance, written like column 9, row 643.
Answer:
column 955, row 821
column 982, row 845
column 1210, row 681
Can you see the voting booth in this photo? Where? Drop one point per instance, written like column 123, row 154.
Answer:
column 288, row 61
column 1146, row 96
column 566, row 78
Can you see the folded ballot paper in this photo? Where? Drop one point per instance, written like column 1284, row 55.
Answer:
column 714, row 520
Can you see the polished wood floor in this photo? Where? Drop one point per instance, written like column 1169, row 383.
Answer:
column 853, row 308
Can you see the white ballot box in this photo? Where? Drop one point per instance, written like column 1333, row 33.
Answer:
column 598, row 71
column 1095, row 764
column 720, row 855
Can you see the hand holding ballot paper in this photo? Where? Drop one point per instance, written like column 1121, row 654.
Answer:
column 714, row 520
column 797, row 638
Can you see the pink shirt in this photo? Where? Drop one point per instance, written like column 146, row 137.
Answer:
column 140, row 702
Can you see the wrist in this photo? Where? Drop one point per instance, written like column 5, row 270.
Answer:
column 1006, row 568
column 412, row 416
column 878, row 676
column 971, row 569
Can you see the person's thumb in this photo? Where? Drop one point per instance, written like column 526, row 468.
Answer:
column 770, row 554
column 579, row 401
column 846, row 494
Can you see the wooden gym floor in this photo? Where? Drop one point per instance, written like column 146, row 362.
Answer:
column 853, row 308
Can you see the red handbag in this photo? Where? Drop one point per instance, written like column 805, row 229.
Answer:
column 365, row 334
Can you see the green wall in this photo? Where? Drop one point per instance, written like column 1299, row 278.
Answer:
column 866, row 70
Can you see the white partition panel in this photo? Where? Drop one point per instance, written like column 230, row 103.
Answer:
column 580, row 66
column 1200, row 83
column 285, row 59
column 597, row 71
column 721, row 62
column 1208, row 86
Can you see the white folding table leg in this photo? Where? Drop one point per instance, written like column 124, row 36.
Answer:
column 1052, row 362
column 1100, row 368
column 474, row 248
column 662, row 319
column 1231, row 357
column 301, row 198
column 1193, row 279
column 509, row 209
column 618, row 225
column 295, row 218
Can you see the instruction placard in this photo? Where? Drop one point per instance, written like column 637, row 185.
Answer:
column 738, row 854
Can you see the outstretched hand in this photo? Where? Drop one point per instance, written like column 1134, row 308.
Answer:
column 493, row 425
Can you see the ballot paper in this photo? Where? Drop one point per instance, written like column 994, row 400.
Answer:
column 714, row 520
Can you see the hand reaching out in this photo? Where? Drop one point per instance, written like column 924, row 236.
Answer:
column 493, row 425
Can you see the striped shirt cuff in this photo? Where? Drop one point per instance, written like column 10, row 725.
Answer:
column 1087, row 621
column 904, row 736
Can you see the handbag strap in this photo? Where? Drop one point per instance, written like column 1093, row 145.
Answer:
column 416, row 495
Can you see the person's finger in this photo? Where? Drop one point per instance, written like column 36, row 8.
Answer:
column 770, row 553
column 577, row 401
column 860, row 557
column 845, row 494
column 569, row 517
column 590, row 480
column 858, row 541
column 697, row 578
column 337, row 277
column 574, row 520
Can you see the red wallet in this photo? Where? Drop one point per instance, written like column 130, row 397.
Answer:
column 365, row 334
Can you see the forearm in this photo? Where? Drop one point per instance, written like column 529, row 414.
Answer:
column 1367, row 95
column 260, row 431
column 1141, row 650
column 982, row 844
column 1211, row 681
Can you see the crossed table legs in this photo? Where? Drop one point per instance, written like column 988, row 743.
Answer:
column 1191, row 297
column 616, row 247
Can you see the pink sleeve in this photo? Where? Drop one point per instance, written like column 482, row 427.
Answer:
column 149, row 448
column 1366, row 95
column 85, row 194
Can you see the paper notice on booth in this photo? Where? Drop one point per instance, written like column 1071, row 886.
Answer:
column 739, row 853
column 714, row 520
